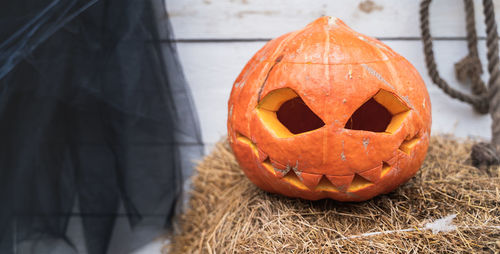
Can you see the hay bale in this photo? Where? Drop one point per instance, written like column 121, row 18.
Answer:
column 228, row 214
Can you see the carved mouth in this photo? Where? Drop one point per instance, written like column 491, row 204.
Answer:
column 285, row 114
column 331, row 183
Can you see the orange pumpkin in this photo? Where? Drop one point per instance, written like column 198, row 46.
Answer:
column 326, row 112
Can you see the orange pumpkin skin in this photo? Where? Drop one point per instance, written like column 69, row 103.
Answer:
column 334, row 71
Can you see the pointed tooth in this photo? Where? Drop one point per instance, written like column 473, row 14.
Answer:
column 385, row 169
column 280, row 169
column 262, row 155
column 278, row 165
column 392, row 160
column 340, row 182
column 310, row 180
column 268, row 166
column 358, row 183
column 294, row 180
column 298, row 173
column 280, row 173
column 372, row 175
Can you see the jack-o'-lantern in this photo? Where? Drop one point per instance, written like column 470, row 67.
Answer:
column 326, row 112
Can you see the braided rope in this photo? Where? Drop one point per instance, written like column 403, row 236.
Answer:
column 470, row 66
column 484, row 99
column 480, row 103
column 494, row 81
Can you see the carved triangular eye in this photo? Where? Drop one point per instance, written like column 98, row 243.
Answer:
column 384, row 112
column 286, row 114
column 297, row 117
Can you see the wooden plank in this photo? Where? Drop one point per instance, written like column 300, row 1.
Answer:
column 211, row 68
column 233, row 19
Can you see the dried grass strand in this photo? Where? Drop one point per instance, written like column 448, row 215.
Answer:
column 228, row 214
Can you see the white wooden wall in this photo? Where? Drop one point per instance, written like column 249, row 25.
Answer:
column 215, row 38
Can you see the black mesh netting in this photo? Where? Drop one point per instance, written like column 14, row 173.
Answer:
column 96, row 123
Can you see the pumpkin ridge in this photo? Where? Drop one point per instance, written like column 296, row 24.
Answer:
column 278, row 59
column 340, row 39
column 280, row 56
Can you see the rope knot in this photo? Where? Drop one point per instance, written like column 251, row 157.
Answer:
column 484, row 155
column 467, row 67
column 482, row 105
column 470, row 67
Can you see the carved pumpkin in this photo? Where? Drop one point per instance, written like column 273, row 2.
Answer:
column 326, row 112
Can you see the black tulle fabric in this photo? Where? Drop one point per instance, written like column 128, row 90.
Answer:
column 96, row 124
